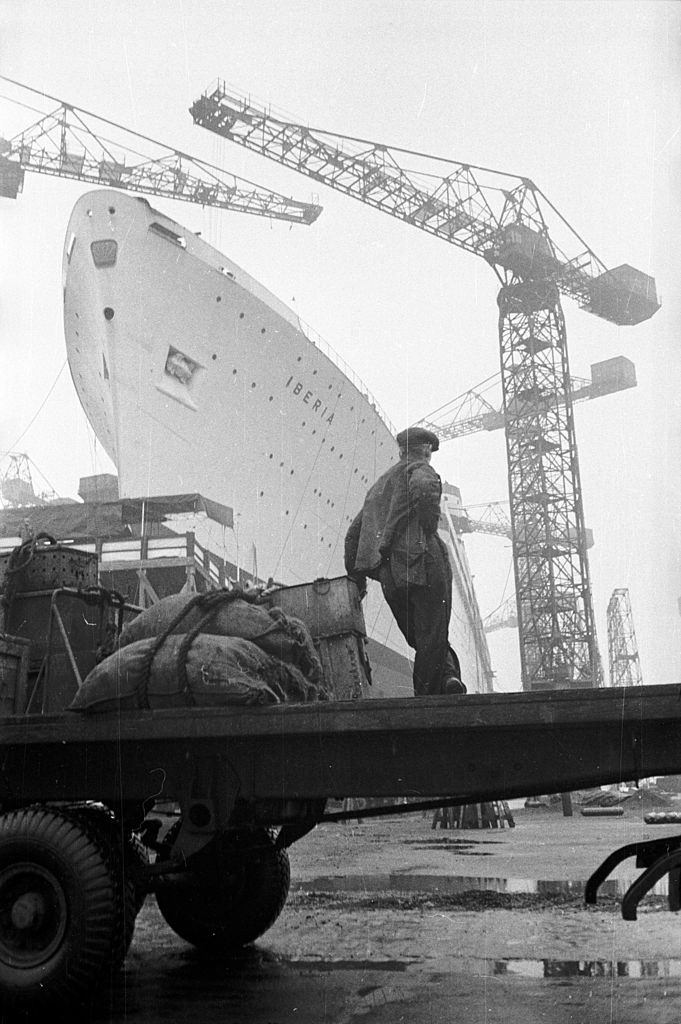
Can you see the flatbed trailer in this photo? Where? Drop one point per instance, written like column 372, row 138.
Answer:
column 78, row 793
column 470, row 748
column 81, row 840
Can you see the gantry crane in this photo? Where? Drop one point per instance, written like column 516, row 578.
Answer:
column 536, row 257
column 68, row 143
column 624, row 662
column 16, row 482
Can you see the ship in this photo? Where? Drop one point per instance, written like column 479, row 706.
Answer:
column 195, row 378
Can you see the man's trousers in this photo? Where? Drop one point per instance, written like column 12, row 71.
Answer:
column 422, row 614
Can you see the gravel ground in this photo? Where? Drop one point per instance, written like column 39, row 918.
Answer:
column 391, row 921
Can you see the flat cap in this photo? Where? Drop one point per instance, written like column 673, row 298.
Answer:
column 418, row 435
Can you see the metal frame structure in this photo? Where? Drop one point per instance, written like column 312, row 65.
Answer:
column 558, row 640
column 536, row 256
column 68, row 143
column 623, row 659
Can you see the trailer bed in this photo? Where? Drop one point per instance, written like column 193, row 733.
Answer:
column 478, row 747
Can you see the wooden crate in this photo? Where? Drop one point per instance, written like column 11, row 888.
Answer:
column 13, row 674
column 345, row 664
column 328, row 607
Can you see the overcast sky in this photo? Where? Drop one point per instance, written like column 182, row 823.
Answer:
column 584, row 98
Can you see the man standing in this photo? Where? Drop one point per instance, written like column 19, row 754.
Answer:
column 394, row 540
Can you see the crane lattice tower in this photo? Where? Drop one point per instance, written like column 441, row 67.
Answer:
column 625, row 665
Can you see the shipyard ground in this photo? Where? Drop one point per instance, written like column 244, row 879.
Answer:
column 390, row 921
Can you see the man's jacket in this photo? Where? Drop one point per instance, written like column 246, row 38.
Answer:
column 400, row 512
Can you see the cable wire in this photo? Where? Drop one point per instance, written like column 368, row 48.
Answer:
column 40, row 408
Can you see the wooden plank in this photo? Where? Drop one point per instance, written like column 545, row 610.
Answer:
column 479, row 747
column 477, row 712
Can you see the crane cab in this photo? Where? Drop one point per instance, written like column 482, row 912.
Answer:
column 524, row 251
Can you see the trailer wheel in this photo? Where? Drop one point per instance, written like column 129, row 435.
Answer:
column 61, row 911
column 125, row 852
column 253, row 881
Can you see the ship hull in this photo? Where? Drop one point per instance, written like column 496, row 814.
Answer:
column 196, row 379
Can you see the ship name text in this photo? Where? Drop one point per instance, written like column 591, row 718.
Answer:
column 309, row 398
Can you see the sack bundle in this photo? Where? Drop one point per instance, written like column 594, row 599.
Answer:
column 209, row 650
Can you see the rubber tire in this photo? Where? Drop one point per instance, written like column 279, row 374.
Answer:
column 195, row 912
column 102, row 820
column 87, row 911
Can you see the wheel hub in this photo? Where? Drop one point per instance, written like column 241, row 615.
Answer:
column 28, row 911
column 33, row 915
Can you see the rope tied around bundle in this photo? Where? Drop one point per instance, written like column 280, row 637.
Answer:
column 211, row 602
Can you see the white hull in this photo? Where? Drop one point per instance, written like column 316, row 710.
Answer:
column 195, row 378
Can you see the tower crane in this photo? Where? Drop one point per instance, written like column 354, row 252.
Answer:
column 69, row 143
column 537, row 256
column 624, row 662
column 471, row 411
column 503, row 617
column 490, row 518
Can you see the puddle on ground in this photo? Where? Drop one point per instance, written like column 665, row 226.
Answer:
column 448, row 841
column 587, row 968
column 349, row 965
column 456, row 884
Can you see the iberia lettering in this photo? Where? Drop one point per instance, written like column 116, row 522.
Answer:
column 309, row 398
